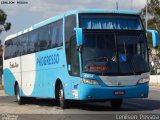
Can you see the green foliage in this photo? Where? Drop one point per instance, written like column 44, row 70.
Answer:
column 154, row 22
column 7, row 26
column 4, row 26
column 3, row 17
column 154, row 11
column 152, row 70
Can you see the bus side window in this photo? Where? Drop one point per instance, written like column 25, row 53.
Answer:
column 23, row 44
column 43, row 38
column 56, row 34
column 32, row 42
column 70, row 44
column 7, row 47
column 60, row 34
column 74, row 58
column 15, row 47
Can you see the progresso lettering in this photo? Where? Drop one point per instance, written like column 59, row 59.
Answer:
column 48, row 60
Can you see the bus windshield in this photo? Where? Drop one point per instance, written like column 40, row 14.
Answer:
column 110, row 21
column 116, row 52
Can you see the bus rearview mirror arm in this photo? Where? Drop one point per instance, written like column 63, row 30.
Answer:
column 155, row 38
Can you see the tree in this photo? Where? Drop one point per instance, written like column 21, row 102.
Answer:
column 154, row 12
column 153, row 23
column 4, row 26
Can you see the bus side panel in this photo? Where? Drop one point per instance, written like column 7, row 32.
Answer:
column 12, row 73
column 50, row 66
column 28, row 74
column 40, row 72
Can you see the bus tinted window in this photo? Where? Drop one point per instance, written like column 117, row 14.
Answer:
column 110, row 21
column 15, row 48
column 43, row 42
column 23, row 44
column 46, row 37
column 32, row 43
column 56, row 34
column 70, row 24
column 70, row 40
column 7, row 49
column 11, row 48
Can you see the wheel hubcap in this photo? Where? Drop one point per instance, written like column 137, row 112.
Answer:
column 61, row 94
column 18, row 96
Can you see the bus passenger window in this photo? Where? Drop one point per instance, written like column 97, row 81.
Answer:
column 74, row 58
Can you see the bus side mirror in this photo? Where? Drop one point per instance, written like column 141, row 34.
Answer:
column 155, row 38
column 79, row 36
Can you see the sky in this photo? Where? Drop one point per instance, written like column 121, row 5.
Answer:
column 23, row 16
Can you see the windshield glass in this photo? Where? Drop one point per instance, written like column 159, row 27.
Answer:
column 110, row 21
column 115, row 52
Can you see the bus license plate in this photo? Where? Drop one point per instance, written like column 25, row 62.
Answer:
column 119, row 92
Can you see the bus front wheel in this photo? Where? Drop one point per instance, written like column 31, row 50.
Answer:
column 19, row 99
column 116, row 103
column 62, row 101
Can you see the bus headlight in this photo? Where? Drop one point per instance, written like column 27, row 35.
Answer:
column 143, row 80
column 89, row 81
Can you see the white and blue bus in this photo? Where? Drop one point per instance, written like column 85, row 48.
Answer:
column 82, row 55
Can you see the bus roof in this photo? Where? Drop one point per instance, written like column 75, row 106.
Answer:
column 52, row 19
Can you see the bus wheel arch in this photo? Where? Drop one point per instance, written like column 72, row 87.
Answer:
column 19, row 98
column 59, row 94
column 57, row 85
column 15, row 85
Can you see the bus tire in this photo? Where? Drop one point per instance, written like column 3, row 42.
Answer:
column 19, row 99
column 116, row 103
column 62, row 101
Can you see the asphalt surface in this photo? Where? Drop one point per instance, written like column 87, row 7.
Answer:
column 41, row 107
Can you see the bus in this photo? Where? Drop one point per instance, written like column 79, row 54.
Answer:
column 81, row 55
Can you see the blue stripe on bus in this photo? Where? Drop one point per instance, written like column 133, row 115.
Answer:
column 9, row 83
column 98, row 92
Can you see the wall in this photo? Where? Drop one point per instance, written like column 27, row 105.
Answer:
column 154, row 80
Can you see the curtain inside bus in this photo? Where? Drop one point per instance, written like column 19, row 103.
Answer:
column 111, row 22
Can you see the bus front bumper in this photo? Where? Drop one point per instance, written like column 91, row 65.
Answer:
column 97, row 92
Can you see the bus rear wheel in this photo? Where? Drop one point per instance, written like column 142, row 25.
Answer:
column 62, row 101
column 19, row 99
column 116, row 103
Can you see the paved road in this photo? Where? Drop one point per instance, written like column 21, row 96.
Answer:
column 43, row 106
column 8, row 105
